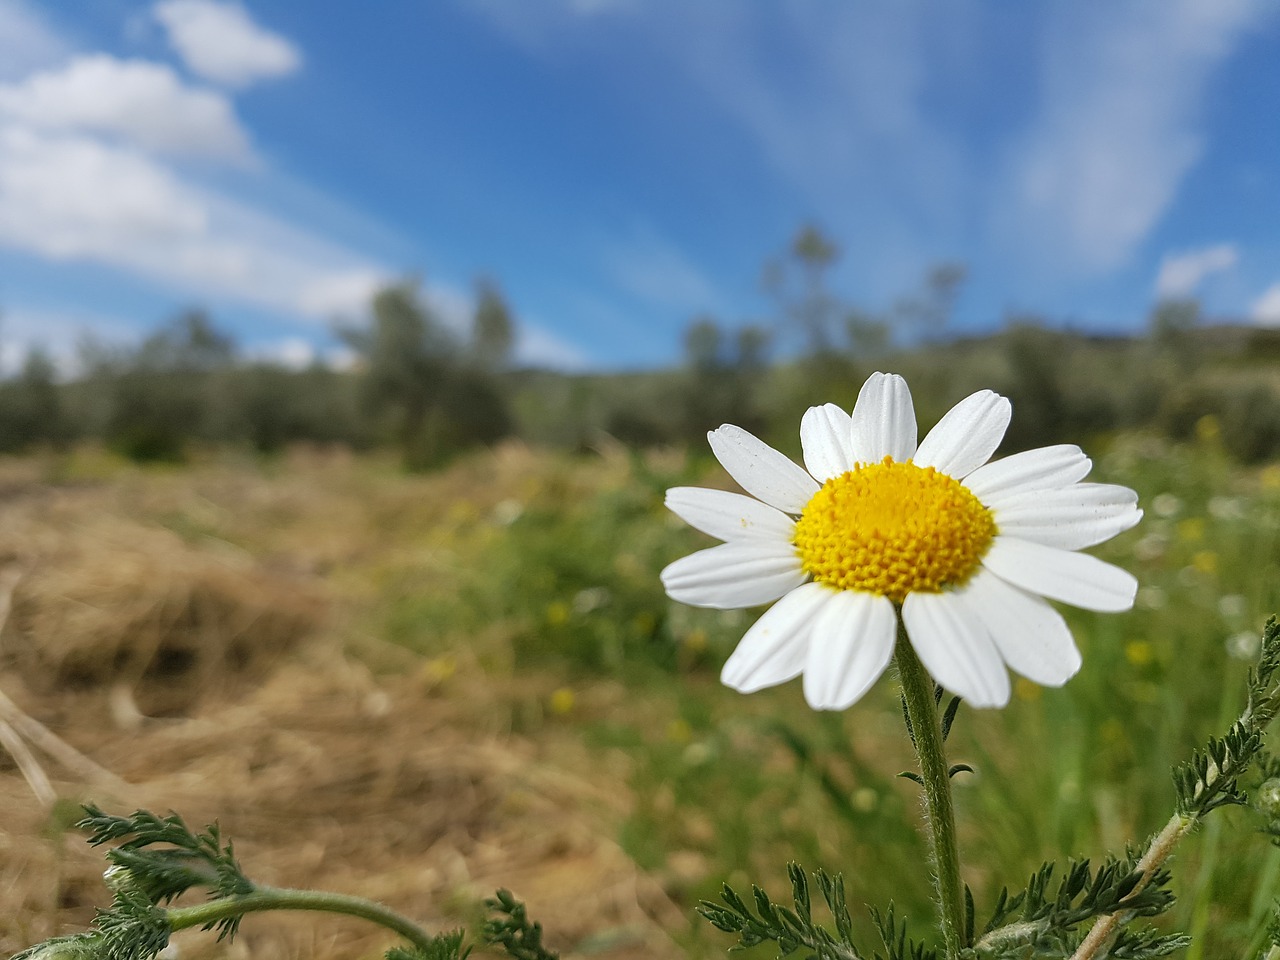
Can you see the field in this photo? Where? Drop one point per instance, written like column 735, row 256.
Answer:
column 421, row 688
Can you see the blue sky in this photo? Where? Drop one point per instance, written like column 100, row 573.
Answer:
column 620, row 166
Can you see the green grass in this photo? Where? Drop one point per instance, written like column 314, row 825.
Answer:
column 726, row 787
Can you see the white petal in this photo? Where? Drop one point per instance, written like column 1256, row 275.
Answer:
column 884, row 420
column 826, row 434
column 1077, row 516
column 741, row 574
column 967, row 436
column 955, row 648
column 851, row 644
column 1074, row 578
column 729, row 516
column 774, row 649
column 1031, row 636
column 761, row 470
column 1041, row 469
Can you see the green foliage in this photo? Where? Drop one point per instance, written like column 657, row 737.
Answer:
column 790, row 928
column 793, row 928
column 596, row 605
column 443, row 946
column 31, row 407
column 151, row 876
column 134, row 928
column 81, row 946
column 512, row 929
column 1211, row 778
column 158, row 859
column 1043, row 921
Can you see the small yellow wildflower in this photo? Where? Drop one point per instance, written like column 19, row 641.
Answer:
column 1139, row 652
column 562, row 701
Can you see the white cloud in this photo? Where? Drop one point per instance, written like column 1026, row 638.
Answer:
column 1181, row 274
column 137, row 101
column 69, row 197
column 85, row 176
column 1266, row 309
column 341, row 294
column 221, row 42
column 76, row 198
column 1118, row 125
column 26, row 41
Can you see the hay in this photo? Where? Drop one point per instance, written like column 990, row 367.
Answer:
column 249, row 712
column 123, row 605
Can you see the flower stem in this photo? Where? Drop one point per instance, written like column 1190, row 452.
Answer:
column 273, row 898
column 922, row 713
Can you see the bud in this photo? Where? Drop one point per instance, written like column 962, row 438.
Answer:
column 1266, row 800
column 118, row 879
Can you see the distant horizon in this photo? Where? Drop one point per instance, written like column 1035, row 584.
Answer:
column 343, row 360
column 620, row 168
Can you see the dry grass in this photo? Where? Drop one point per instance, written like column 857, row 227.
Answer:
column 193, row 633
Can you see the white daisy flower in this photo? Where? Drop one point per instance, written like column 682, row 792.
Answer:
column 877, row 527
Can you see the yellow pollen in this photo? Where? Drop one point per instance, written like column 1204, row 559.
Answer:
column 892, row 529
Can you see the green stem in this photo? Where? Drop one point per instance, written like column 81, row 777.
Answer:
column 272, row 898
column 922, row 712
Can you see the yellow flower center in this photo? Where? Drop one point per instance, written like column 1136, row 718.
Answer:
column 892, row 529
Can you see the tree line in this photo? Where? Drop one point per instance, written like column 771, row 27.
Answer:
column 430, row 391
column 414, row 383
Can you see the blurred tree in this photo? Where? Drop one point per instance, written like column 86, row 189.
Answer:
column 271, row 406
column 493, row 331
column 415, row 376
column 703, row 346
column 157, row 397
column 835, row 334
column 1172, row 319
column 188, row 344
column 722, row 379
column 925, row 314
column 868, row 335
column 798, row 281
column 30, row 405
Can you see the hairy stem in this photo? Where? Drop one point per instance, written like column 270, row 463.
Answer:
column 922, row 712
column 1157, row 853
column 272, row 898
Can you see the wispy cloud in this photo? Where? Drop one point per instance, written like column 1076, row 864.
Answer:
column 1118, row 125
column 835, row 99
column 222, row 43
column 1181, row 274
column 1265, row 311
column 27, row 42
column 656, row 271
